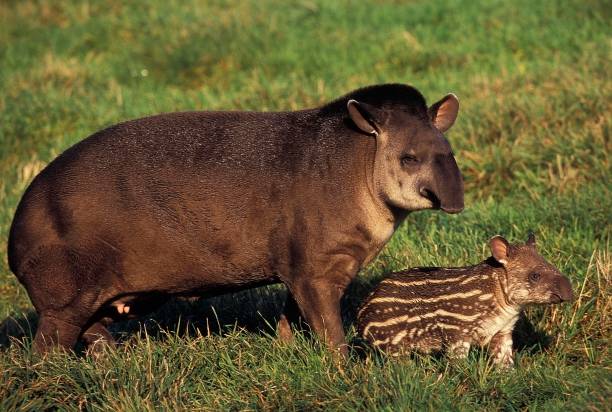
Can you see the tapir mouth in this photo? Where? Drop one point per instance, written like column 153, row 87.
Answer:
column 562, row 297
column 436, row 203
column 451, row 209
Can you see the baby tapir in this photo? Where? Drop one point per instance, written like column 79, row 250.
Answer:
column 205, row 203
column 450, row 309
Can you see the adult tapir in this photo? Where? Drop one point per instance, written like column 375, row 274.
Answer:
column 204, row 203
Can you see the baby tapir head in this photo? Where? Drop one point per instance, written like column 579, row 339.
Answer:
column 530, row 278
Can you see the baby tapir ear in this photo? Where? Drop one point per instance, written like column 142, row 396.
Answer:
column 531, row 241
column 444, row 112
column 500, row 249
column 363, row 116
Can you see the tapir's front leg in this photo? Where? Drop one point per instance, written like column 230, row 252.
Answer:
column 500, row 348
column 319, row 303
column 318, row 297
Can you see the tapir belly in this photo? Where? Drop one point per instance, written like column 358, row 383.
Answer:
column 177, row 246
column 190, row 257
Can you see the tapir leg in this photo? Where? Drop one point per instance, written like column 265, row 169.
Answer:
column 289, row 318
column 97, row 335
column 318, row 297
column 319, row 302
column 61, row 285
column 54, row 332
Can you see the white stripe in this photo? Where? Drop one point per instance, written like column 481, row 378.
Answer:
column 426, row 300
column 472, row 278
column 380, row 342
column 467, row 318
column 362, row 309
column 398, row 337
column 486, row 296
column 409, row 319
column 447, row 326
column 424, row 281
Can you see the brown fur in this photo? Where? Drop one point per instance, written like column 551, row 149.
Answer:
column 204, row 203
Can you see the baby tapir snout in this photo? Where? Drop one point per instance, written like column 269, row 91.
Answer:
column 562, row 290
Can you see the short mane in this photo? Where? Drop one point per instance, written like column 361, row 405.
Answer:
column 384, row 96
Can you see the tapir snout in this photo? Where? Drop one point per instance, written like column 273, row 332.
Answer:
column 563, row 290
column 446, row 186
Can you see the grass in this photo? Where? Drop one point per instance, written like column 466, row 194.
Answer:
column 532, row 139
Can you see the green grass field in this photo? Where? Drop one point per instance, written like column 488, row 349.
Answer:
column 532, row 140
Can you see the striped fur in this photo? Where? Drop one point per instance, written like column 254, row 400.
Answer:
column 451, row 309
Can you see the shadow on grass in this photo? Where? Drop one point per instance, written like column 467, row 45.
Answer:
column 254, row 311
column 18, row 327
column 526, row 338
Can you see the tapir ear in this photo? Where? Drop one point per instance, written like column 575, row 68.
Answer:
column 364, row 117
column 531, row 241
column 444, row 112
column 500, row 249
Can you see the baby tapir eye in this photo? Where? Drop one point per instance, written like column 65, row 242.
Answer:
column 534, row 277
column 408, row 160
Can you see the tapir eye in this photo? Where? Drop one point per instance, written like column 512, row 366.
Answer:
column 409, row 160
column 534, row 277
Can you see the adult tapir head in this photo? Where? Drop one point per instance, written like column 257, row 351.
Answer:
column 414, row 166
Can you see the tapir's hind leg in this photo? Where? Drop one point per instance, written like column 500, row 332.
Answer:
column 53, row 332
column 63, row 286
column 97, row 335
column 62, row 329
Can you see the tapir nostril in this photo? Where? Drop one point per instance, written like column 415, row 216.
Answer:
column 438, row 204
column 428, row 194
